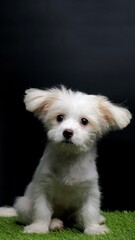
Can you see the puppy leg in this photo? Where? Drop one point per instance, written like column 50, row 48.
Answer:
column 91, row 215
column 24, row 207
column 41, row 217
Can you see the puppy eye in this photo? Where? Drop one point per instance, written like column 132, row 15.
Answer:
column 84, row 121
column 60, row 118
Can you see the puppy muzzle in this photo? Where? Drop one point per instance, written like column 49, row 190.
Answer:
column 68, row 134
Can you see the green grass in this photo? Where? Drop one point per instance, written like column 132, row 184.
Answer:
column 121, row 224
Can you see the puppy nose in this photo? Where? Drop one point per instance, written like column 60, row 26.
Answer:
column 68, row 133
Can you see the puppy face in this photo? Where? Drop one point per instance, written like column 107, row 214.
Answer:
column 75, row 119
column 71, row 121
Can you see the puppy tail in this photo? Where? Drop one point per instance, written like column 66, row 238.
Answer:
column 7, row 212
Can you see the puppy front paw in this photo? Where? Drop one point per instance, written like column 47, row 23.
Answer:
column 56, row 224
column 101, row 219
column 36, row 228
column 96, row 229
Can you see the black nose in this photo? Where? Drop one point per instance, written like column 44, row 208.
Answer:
column 68, row 133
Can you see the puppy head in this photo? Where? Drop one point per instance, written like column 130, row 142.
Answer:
column 75, row 119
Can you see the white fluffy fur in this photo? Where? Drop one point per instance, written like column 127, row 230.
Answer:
column 65, row 184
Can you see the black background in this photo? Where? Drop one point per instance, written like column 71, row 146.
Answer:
column 88, row 45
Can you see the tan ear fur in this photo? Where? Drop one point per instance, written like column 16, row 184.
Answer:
column 117, row 117
column 37, row 100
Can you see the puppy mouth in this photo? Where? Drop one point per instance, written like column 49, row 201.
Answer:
column 67, row 141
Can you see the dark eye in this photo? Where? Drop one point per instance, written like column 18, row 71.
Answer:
column 84, row 121
column 60, row 118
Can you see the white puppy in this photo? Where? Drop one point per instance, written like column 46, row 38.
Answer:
column 65, row 184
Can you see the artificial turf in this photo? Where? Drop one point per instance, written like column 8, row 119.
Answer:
column 121, row 224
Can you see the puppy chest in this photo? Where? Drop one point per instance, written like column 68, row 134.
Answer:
column 67, row 196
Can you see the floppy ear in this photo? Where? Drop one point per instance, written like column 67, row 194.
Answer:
column 115, row 117
column 39, row 101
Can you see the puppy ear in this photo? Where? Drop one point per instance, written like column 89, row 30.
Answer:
column 114, row 116
column 37, row 100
